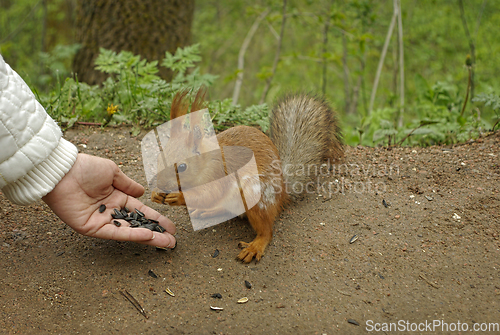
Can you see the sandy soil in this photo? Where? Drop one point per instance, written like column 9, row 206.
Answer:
column 428, row 248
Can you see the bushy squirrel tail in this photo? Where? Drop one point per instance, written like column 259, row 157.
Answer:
column 306, row 132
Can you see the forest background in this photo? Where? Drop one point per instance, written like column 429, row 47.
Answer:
column 249, row 53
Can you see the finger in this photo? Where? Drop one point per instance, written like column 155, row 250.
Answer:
column 150, row 213
column 138, row 235
column 123, row 183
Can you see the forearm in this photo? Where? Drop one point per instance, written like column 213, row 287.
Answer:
column 33, row 155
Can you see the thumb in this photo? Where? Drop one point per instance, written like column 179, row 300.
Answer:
column 127, row 185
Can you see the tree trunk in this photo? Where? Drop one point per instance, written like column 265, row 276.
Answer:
column 145, row 27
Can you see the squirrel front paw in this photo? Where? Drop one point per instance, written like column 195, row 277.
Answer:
column 158, row 197
column 173, row 199
column 250, row 250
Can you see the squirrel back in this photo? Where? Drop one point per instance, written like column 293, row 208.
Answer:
column 305, row 131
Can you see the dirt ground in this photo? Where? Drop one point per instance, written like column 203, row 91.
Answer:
column 427, row 222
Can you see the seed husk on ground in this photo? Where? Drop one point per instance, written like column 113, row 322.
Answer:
column 242, row 300
column 169, row 292
column 353, row 239
column 354, row 322
column 217, row 295
column 247, row 284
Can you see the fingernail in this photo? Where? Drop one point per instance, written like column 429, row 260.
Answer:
column 152, row 238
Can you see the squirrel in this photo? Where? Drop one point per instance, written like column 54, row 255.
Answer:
column 304, row 131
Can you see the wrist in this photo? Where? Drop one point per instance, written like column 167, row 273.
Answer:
column 44, row 177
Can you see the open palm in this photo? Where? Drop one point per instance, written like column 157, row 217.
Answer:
column 93, row 181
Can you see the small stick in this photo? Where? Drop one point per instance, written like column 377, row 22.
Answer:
column 428, row 281
column 327, row 199
column 89, row 123
column 347, row 294
column 134, row 302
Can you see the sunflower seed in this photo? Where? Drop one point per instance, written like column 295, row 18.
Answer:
column 159, row 228
column 169, row 292
column 216, row 253
column 150, row 226
column 118, row 215
column 354, row 322
column 152, row 274
column 135, row 223
column 247, row 284
column 353, row 239
column 102, row 208
column 139, row 212
column 117, row 223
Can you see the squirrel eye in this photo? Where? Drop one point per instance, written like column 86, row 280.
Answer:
column 181, row 167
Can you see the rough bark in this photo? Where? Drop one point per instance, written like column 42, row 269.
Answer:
column 145, row 27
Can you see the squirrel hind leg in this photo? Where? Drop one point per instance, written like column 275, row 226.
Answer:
column 262, row 223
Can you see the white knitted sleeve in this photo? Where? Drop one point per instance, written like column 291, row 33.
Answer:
column 33, row 155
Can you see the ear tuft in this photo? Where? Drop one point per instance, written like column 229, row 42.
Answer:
column 180, row 104
column 199, row 100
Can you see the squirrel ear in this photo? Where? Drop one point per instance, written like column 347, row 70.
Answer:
column 179, row 104
column 179, row 108
column 199, row 100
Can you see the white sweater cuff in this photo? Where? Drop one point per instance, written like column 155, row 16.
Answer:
column 44, row 177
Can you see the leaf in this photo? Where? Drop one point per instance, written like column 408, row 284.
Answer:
column 423, row 89
column 381, row 133
column 183, row 59
column 461, row 120
column 423, row 131
column 426, row 122
column 135, row 131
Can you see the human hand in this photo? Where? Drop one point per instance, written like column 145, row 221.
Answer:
column 93, row 181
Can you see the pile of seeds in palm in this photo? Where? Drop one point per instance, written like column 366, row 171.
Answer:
column 136, row 219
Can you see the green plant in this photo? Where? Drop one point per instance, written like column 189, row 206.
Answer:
column 134, row 93
column 493, row 101
column 226, row 115
column 437, row 118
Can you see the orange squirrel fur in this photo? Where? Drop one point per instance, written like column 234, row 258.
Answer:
column 303, row 131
